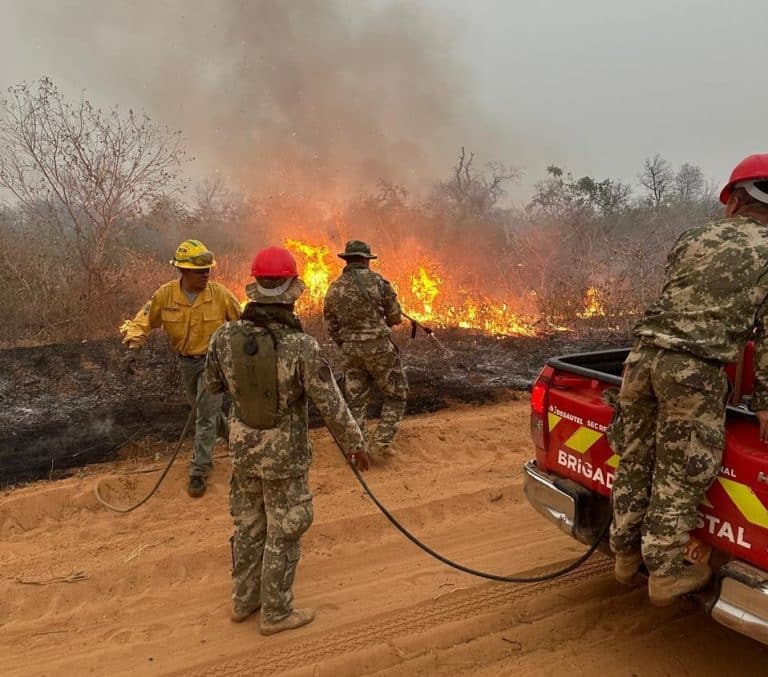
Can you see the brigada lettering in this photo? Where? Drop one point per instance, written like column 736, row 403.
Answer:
column 585, row 468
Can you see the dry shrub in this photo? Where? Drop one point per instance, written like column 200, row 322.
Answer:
column 43, row 295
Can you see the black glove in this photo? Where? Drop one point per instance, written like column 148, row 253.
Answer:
column 128, row 363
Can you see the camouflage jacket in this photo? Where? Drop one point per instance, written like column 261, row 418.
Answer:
column 714, row 294
column 283, row 451
column 360, row 305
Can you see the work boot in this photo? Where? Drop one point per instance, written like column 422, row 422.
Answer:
column 383, row 451
column 197, row 486
column 295, row 619
column 626, row 566
column 243, row 612
column 664, row 590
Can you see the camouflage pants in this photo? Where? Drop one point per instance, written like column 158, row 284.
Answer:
column 375, row 362
column 210, row 421
column 270, row 516
column 670, row 433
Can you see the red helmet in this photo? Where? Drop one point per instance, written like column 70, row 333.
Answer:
column 751, row 168
column 274, row 262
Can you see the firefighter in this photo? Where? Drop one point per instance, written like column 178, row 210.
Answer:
column 190, row 309
column 359, row 310
column 670, row 422
column 271, row 368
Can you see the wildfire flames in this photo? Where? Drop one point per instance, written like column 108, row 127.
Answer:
column 426, row 293
column 592, row 305
column 317, row 274
column 432, row 301
column 425, row 289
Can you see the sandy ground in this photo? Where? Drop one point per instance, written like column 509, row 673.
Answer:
column 87, row 592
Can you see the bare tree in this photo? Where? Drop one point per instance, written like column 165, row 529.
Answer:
column 214, row 200
column 689, row 183
column 657, row 179
column 477, row 193
column 82, row 172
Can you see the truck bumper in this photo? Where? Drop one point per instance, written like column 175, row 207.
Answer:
column 741, row 603
column 575, row 510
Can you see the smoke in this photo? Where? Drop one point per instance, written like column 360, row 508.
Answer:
column 299, row 96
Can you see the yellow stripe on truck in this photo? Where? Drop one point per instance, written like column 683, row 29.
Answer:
column 553, row 420
column 613, row 461
column 746, row 501
column 583, row 439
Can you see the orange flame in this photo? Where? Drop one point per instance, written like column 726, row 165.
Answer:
column 459, row 308
column 424, row 288
column 317, row 272
column 592, row 305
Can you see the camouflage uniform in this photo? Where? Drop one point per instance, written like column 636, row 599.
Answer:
column 359, row 310
column 270, row 499
column 669, row 427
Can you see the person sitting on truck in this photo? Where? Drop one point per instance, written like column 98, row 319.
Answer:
column 669, row 429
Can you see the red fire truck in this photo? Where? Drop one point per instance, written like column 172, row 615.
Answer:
column 570, row 480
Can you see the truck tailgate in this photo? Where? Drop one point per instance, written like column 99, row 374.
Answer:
column 577, row 419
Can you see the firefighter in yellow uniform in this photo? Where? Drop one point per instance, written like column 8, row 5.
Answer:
column 190, row 310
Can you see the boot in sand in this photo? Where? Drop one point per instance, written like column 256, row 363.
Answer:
column 241, row 613
column 295, row 619
column 664, row 590
column 383, row 452
column 626, row 566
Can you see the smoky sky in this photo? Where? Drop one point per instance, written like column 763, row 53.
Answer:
column 329, row 93
column 598, row 85
column 297, row 94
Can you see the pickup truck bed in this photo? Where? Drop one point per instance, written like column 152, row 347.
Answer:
column 571, row 477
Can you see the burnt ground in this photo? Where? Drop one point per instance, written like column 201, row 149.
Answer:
column 64, row 406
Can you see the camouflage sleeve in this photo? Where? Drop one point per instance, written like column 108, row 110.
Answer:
column 760, row 387
column 332, row 324
column 214, row 376
column 321, row 387
column 392, row 310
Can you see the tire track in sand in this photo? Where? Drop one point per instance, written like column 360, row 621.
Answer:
column 458, row 606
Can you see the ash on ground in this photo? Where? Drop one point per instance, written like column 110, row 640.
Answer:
column 64, row 406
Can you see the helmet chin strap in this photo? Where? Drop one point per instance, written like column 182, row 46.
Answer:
column 753, row 191
column 275, row 291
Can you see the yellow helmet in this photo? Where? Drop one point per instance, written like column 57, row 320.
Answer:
column 193, row 254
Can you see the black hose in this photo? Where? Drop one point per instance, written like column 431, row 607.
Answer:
column 455, row 565
column 131, row 508
column 474, row 572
